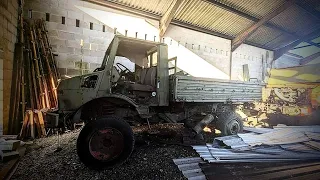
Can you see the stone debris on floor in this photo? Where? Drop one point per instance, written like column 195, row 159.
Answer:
column 149, row 160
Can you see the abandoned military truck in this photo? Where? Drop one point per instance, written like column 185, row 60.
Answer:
column 151, row 90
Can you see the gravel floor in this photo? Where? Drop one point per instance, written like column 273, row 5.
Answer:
column 148, row 161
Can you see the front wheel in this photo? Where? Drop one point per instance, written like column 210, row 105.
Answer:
column 105, row 143
column 229, row 123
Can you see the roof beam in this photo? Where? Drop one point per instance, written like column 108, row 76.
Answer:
column 288, row 47
column 307, row 8
column 144, row 14
column 252, row 18
column 168, row 16
column 237, row 41
column 308, row 59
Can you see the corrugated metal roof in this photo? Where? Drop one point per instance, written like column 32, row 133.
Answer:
column 206, row 15
column 264, row 35
column 295, row 20
column 256, row 8
column 158, row 7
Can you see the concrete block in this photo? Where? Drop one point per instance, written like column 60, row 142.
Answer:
column 75, row 15
column 78, row 37
column 94, row 66
column 4, row 23
column 97, row 53
column 58, row 42
column 97, row 40
column 90, row 59
column 73, row 72
column 38, row 15
column 85, row 52
column 85, row 25
column 81, row 65
column 11, row 9
column 52, row 32
column 65, row 64
column 102, row 47
column 73, row 43
column 66, row 35
column 74, row 29
column 68, row 50
column 55, row 18
column 10, row 145
column 88, row 19
column 58, row 11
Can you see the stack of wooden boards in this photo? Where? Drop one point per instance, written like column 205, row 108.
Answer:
column 36, row 78
column 33, row 125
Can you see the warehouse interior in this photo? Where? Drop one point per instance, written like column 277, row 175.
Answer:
column 162, row 89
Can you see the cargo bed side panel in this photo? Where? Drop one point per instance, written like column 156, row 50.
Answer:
column 191, row 89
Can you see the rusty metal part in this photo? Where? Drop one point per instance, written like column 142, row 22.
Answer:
column 203, row 123
column 106, row 144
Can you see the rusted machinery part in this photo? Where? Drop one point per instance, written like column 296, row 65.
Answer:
column 203, row 123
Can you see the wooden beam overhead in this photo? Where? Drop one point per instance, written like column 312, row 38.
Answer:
column 288, row 47
column 310, row 58
column 168, row 16
column 237, row 41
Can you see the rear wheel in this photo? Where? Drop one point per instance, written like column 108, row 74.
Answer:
column 229, row 123
column 105, row 143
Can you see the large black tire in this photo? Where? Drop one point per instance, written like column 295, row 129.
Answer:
column 229, row 123
column 105, row 143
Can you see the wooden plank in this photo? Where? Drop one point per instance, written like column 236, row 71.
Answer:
column 287, row 173
column 9, row 167
column 311, row 176
column 310, row 58
column 168, row 16
column 41, row 121
column 237, row 41
column 24, row 125
column 31, row 120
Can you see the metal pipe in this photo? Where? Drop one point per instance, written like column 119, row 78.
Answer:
column 203, row 123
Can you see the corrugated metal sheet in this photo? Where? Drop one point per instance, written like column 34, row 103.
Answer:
column 295, row 20
column 280, row 41
column 256, row 8
column 158, row 7
column 205, row 15
column 191, row 89
column 264, row 35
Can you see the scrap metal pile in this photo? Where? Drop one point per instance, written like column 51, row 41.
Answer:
column 260, row 147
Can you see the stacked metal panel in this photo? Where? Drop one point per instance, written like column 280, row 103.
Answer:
column 279, row 144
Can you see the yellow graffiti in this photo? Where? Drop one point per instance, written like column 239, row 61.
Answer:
column 283, row 72
column 308, row 77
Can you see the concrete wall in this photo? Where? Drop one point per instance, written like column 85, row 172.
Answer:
column 257, row 59
column 66, row 38
column 8, row 34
